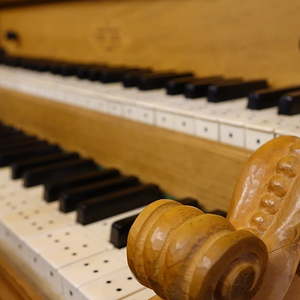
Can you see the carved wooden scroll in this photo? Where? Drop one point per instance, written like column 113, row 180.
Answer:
column 184, row 254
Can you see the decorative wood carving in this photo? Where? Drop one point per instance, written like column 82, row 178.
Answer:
column 184, row 254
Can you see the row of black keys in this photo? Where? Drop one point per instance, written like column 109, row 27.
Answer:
column 215, row 88
column 78, row 184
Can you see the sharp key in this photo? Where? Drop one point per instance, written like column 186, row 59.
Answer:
column 110, row 75
column 19, row 168
column 42, row 175
column 71, row 199
column 158, row 80
column 18, row 146
column 228, row 91
column 120, row 230
column 20, row 142
column 199, row 88
column 268, row 97
column 289, row 104
column 99, row 208
column 7, row 158
column 177, row 86
column 53, row 190
column 132, row 78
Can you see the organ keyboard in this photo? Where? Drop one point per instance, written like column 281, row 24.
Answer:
column 74, row 261
column 224, row 117
column 125, row 87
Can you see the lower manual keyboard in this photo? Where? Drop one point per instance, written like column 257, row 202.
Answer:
column 72, row 260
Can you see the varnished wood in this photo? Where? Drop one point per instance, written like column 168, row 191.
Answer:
column 182, row 165
column 184, row 254
column 266, row 202
column 230, row 37
column 16, row 281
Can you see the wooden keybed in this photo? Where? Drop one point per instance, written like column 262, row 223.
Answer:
column 249, row 39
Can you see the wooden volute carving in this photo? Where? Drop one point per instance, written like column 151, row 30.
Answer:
column 184, row 254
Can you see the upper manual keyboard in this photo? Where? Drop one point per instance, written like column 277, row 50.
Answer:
column 244, row 113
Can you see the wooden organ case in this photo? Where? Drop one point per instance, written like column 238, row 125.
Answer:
column 257, row 39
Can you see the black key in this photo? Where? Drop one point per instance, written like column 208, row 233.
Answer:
column 20, row 145
column 110, row 75
column 192, row 202
column 120, row 230
column 14, row 138
column 219, row 212
column 70, row 199
column 132, row 78
column 16, row 143
column 228, row 91
column 19, row 168
column 53, row 190
column 99, row 208
column 83, row 71
column 159, row 80
column 10, row 134
column 94, row 73
column 177, row 86
column 8, row 158
column 289, row 104
column 68, row 69
column 56, row 171
column 54, row 67
column 199, row 88
column 269, row 97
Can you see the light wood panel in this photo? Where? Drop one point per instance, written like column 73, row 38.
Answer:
column 183, row 165
column 236, row 38
column 16, row 281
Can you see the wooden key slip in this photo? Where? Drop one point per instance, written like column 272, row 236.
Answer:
column 184, row 254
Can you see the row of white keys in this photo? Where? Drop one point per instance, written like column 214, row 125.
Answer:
column 68, row 256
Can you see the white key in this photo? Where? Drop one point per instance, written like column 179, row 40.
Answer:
column 114, row 286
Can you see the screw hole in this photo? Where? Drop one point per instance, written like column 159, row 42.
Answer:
column 118, row 290
column 95, row 271
column 108, row 281
column 86, row 264
column 230, row 135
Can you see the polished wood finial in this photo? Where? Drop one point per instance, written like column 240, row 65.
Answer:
column 184, row 254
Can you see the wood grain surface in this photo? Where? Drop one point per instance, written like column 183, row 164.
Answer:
column 17, row 282
column 251, row 39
